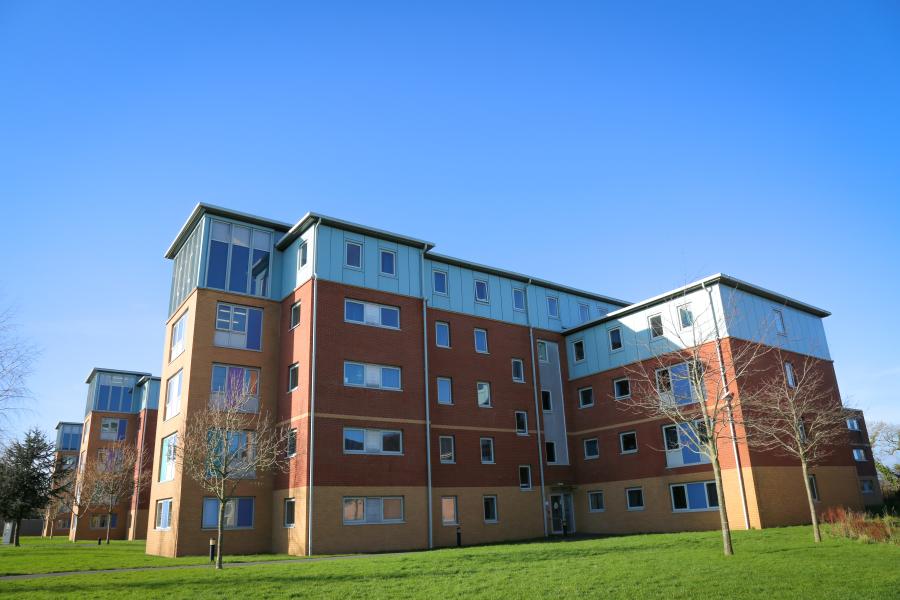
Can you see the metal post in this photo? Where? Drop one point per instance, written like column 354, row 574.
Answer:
column 212, row 549
column 458, row 536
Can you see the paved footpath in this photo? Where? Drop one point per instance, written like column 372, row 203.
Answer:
column 228, row 565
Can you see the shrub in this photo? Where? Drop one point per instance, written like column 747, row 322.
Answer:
column 857, row 526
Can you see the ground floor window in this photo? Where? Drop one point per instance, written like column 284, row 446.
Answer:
column 449, row 514
column 595, row 501
column 634, row 498
column 490, row 509
column 238, row 513
column 359, row 511
column 99, row 521
column 687, row 497
column 164, row 514
column 866, row 486
column 289, row 512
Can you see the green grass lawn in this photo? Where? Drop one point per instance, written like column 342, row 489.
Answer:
column 775, row 563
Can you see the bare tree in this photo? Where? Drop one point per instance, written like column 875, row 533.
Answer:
column 795, row 413
column 16, row 358
column 884, row 438
column 689, row 379
column 62, row 495
column 228, row 442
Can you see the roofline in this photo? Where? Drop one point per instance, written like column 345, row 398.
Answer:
column 61, row 423
column 102, row 370
column 311, row 217
column 147, row 378
column 721, row 278
column 202, row 208
column 524, row 278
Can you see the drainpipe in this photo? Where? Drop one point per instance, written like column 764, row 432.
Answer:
column 728, row 396
column 537, row 408
column 427, row 401
column 312, row 389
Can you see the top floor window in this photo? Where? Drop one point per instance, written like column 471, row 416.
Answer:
column 615, row 339
column 439, row 282
column 553, row 307
column 685, row 316
column 238, row 327
column 388, row 261
column 115, row 393
column 778, row 317
column 177, row 343
column 302, row 255
column 518, row 299
column 481, row 341
column 584, row 312
column 789, row 375
column 353, row 255
column 656, row 326
column 481, row 291
column 239, row 259
column 853, row 424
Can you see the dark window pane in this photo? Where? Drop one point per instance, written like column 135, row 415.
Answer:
column 354, row 311
column 254, row 329
column 390, row 317
column 259, row 284
column 679, row 498
column 240, row 262
column 391, row 442
column 218, row 263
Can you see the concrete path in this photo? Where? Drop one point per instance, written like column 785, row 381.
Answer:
column 228, row 565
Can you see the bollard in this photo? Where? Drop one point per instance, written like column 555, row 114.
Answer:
column 458, row 536
column 99, row 541
column 212, row 549
column 565, row 528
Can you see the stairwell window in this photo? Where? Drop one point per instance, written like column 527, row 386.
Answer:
column 814, row 488
column 293, row 377
column 292, row 442
column 483, row 394
column 444, row 390
column 289, row 507
column 789, row 377
column 550, row 448
column 353, row 255
column 481, row 291
column 546, row 401
column 295, row 315
column 447, row 447
column 238, row 259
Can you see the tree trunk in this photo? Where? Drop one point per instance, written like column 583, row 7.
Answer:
column 108, row 523
column 723, row 516
column 220, row 526
column 817, row 534
column 16, row 527
column 51, row 527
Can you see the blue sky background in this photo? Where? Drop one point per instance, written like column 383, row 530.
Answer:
column 620, row 148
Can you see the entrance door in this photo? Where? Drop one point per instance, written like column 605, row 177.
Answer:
column 562, row 514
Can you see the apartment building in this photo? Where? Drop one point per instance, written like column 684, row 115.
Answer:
column 425, row 394
column 121, row 407
column 68, row 442
column 862, row 456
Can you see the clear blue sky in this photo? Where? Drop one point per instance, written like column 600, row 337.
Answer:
column 622, row 149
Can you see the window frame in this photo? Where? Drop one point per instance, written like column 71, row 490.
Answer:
column 437, row 325
column 446, row 277
column 622, row 435
column 167, row 458
column 530, row 486
column 496, row 504
column 487, row 348
column 455, row 520
column 292, row 442
column 490, row 399
column 778, row 319
column 481, row 447
column 520, row 291
column 584, row 444
column 541, row 344
column 236, row 500
column 381, row 271
column 295, row 307
column 609, row 333
column 628, row 505
column 581, row 402
column 284, row 518
column 293, row 377
column 576, row 344
column 381, row 499
column 602, row 501
column 550, row 396
column 521, row 363
column 584, row 312
column 438, row 381
column 688, row 509
column 230, row 331
column 616, row 388
column 520, row 431
column 685, row 309
column 487, row 290
column 790, row 376
column 651, row 329
column 381, row 368
column 302, row 254
column 548, row 444
column 553, row 301
column 180, row 325
column 452, row 439
column 365, row 308
column 855, row 424
column 860, row 451
column 358, row 244
column 156, row 517
column 365, row 441
column 814, row 488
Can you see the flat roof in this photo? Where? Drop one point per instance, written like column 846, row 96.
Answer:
column 96, row 370
column 61, row 423
column 311, row 218
column 203, row 208
column 727, row 280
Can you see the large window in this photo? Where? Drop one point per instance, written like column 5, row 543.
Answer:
column 449, row 514
column 176, row 346
column 481, row 291
column 173, row 396
column 483, row 394
column 163, row 514
column 439, row 282
column 238, row 327
column 115, row 393
column 112, row 429
column 167, row 457
column 238, row 513
column 371, row 376
column 481, row 341
column 233, row 385
column 682, row 444
column 361, row 511
column 289, row 506
column 353, row 255
column 234, row 449
column 674, row 384
column 444, row 390
column 372, row 441
column 487, row 451
column 491, row 514
column 70, row 437
column 692, row 497
column 367, row 313
column 447, row 449
column 442, row 334
column 239, row 259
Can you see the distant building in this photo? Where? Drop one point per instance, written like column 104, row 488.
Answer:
column 68, row 443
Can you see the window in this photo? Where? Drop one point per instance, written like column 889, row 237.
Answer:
column 238, row 259
column 778, row 317
column 615, row 339
column 238, row 327
column 859, row 454
column 853, row 424
column 685, row 316
column 112, row 429
column 542, row 352
column 546, row 401
column 683, row 443
column 444, row 390
column 237, row 448
column 813, row 488
column 388, row 263
column 634, row 498
column 789, row 375
column 481, row 341
column 371, row 376
column 591, row 448
column 692, row 497
column 578, row 350
column 70, row 437
column 448, row 449
column 109, row 459
column 373, row 510
column 525, row 477
column 289, row 505
column 442, row 334
column 674, row 383
column 449, row 514
column 372, row 441
column 233, row 385
column 584, row 312
column 115, row 393
column 293, row 377
column 628, row 442
column 550, row 447
column 622, row 388
column 167, row 457
column 518, row 370
column 292, row 442
column 866, row 486
column 353, row 255
column 553, row 307
column 302, row 254
column 585, row 397
column 367, row 313
column 490, row 509
column 163, row 514
column 439, row 282
column 99, row 521
column 481, row 291
column 483, row 394
column 521, row 422
column 518, row 299
column 295, row 315
column 238, row 513
column 656, row 326
column 177, row 343
column 595, row 501
column 487, row 451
